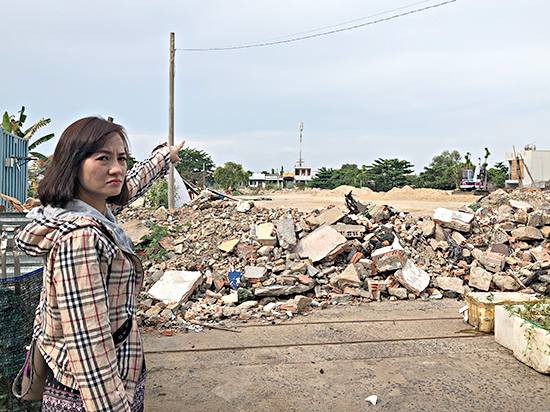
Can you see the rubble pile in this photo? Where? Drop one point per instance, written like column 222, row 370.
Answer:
column 235, row 261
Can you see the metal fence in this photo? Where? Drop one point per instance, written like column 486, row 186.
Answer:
column 14, row 157
column 20, row 287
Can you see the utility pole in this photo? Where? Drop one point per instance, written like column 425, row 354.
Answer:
column 171, row 120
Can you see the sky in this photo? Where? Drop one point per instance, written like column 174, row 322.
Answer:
column 462, row 76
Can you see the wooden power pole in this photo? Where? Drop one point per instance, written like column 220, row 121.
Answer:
column 171, row 119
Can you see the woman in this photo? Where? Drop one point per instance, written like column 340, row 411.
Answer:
column 86, row 326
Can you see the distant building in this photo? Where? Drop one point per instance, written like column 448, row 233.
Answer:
column 302, row 174
column 531, row 161
column 262, row 179
column 288, row 178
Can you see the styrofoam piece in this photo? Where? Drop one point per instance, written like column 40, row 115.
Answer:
column 504, row 327
column 531, row 345
column 175, row 286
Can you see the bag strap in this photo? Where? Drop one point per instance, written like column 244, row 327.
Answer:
column 122, row 333
column 26, row 369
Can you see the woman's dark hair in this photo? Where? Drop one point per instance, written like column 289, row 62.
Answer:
column 79, row 141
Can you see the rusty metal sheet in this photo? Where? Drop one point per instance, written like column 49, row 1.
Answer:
column 319, row 243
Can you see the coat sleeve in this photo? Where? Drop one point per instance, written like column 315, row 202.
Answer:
column 144, row 173
column 81, row 292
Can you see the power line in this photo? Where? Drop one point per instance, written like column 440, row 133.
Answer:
column 272, row 43
column 329, row 27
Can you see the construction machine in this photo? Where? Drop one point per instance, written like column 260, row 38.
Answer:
column 474, row 179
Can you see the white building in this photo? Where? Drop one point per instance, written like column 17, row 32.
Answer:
column 534, row 168
column 262, row 179
column 302, row 174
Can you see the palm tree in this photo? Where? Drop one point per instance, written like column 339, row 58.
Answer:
column 10, row 124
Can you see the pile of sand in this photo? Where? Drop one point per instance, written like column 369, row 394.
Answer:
column 403, row 193
column 344, row 190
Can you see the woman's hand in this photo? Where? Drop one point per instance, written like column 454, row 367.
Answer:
column 174, row 150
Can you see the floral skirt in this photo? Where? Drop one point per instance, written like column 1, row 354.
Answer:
column 60, row 398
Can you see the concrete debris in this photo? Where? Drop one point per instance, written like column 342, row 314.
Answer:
column 175, row 286
column 320, row 243
column 412, row 277
column 264, row 265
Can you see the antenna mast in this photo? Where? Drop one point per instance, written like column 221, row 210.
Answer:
column 301, row 127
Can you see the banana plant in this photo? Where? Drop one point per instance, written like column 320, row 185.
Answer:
column 10, row 124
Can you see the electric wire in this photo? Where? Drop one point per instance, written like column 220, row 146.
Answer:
column 329, row 27
column 272, row 43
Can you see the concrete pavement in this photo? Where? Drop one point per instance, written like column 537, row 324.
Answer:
column 413, row 355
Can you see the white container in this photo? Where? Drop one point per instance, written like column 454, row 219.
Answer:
column 532, row 345
column 504, row 327
column 481, row 306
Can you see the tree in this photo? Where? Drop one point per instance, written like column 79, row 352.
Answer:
column 389, row 173
column 192, row 164
column 487, row 154
column 13, row 126
column 497, row 174
column 348, row 174
column 446, row 158
column 322, row 179
column 442, row 172
column 230, row 175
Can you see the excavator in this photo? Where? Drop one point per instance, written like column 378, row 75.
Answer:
column 474, row 179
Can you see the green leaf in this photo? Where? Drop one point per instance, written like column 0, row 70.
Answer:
column 41, row 157
column 43, row 139
column 6, row 124
column 22, row 117
column 27, row 134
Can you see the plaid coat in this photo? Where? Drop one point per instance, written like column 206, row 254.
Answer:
column 87, row 305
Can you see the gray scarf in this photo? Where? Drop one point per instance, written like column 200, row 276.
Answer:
column 77, row 207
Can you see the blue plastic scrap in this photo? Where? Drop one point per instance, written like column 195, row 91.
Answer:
column 233, row 277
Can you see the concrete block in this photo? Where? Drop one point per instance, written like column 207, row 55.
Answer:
column 329, row 217
column 457, row 236
column 453, row 219
column 266, row 234
column 527, row 233
column 412, row 277
column 491, row 261
column 350, row 231
column 388, row 259
column 348, row 278
column 319, row 243
column 229, row 245
column 286, row 233
column 175, row 286
column 448, row 283
column 480, row 279
column 428, row 228
column 254, row 274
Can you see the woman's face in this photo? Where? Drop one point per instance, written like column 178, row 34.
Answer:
column 102, row 174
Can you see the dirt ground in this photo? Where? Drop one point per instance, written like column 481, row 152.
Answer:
column 418, row 202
